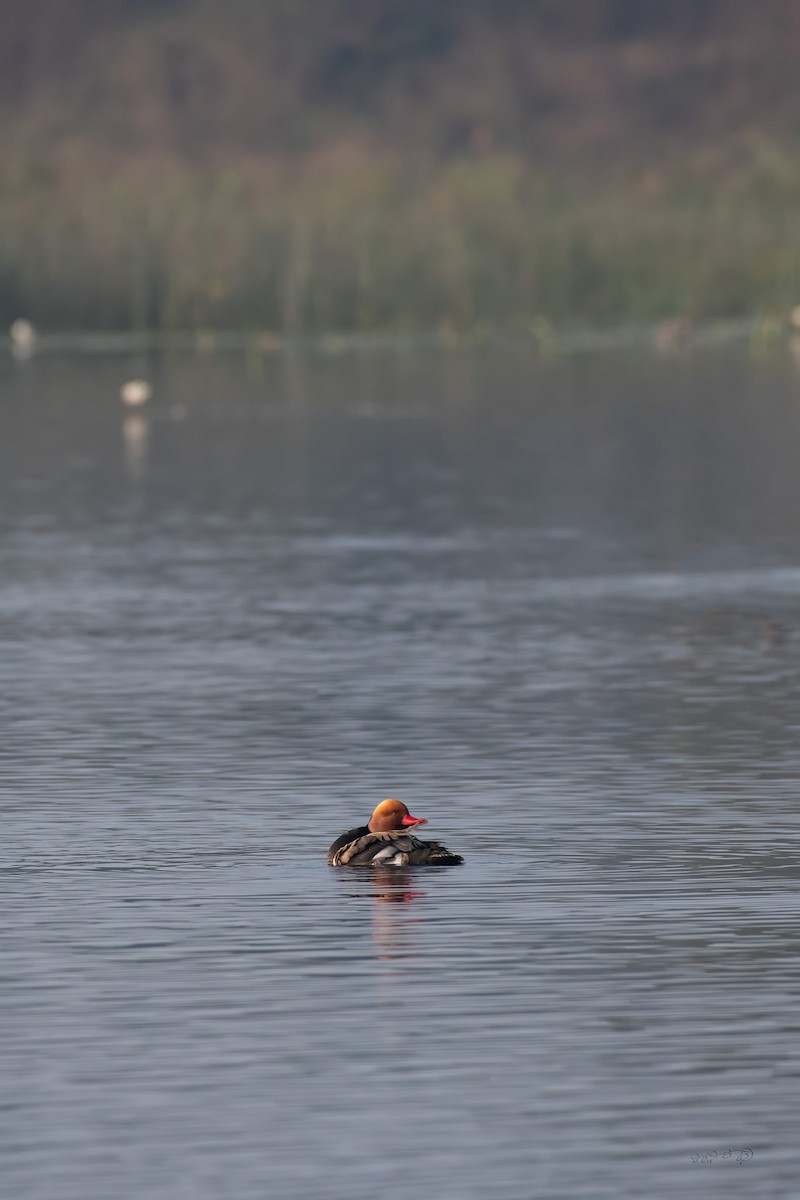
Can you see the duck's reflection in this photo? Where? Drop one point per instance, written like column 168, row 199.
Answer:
column 393, row 929
column 392, row 885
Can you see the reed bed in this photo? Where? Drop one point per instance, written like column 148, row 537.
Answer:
column 360, row 246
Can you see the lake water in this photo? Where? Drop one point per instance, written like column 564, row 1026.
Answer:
column 554, row 607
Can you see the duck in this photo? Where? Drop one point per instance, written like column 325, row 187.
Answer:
column 385, row 841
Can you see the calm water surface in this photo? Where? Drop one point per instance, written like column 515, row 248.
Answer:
column 553, row 607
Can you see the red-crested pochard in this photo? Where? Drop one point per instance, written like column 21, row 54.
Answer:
column 386, row 841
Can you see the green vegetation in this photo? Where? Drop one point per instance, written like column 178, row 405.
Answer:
column 478, row 243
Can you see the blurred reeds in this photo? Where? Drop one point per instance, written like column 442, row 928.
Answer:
column 364, row 244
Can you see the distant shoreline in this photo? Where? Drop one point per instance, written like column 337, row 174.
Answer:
column 547, row 341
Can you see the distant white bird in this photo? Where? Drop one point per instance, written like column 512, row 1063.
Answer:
column 23, row 337
column 135, row 392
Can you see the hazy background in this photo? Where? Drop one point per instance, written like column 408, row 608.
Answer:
column 413, row 164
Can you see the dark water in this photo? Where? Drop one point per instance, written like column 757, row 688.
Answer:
column 556, row 609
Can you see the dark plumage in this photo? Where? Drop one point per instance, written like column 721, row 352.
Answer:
column 385, row 841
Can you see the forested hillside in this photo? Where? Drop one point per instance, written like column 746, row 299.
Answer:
column 558, row 78
column 303, row 164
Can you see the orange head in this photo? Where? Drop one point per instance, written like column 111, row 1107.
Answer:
column 392, row 814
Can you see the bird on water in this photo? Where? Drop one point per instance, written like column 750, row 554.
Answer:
column 385, row 841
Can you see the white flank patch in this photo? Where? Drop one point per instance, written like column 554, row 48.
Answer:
column 385, row 855
column 391, row 857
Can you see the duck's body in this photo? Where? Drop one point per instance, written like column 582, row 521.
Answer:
column 396, row 848
column 385, row 841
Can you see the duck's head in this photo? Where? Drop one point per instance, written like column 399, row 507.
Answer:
column 392, row 814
